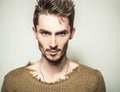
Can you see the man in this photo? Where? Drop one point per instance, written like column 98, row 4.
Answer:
column 54, row 72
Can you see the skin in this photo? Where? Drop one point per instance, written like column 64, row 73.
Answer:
column 53, row 34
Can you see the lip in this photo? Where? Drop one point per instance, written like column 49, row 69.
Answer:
column 53, row 52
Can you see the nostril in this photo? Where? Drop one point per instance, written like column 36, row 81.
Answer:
column 53, row 47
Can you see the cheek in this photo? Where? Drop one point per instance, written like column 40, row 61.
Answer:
column 43, row 41
column 42, row 44
column 63, row 40
column 63, row 44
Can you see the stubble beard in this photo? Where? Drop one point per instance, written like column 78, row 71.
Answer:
column 55, row 61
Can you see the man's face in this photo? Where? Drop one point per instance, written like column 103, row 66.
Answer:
column 53, row 34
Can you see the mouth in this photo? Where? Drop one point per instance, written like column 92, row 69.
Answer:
column 53, row 52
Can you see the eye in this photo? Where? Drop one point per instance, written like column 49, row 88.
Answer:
column 45, row 33
column 61, row 34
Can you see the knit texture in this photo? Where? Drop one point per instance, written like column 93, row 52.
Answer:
column 82, row 79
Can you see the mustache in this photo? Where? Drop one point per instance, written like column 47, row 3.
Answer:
column 53, row 49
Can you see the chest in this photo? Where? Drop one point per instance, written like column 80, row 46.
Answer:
column 63, row 86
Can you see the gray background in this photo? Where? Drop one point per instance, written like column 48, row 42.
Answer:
column 96, row 42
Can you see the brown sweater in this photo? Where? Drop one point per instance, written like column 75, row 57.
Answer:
column 82, row 79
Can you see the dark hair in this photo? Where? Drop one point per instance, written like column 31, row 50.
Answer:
column 63, row 8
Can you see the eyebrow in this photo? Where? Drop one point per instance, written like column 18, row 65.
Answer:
column 43, row 30
column 62, row 31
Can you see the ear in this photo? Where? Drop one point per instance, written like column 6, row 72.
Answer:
column 72, row 33
column 35, row 32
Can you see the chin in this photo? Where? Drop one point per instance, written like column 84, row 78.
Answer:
column 54, row 60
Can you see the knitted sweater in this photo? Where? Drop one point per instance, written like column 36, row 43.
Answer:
column 82, row 79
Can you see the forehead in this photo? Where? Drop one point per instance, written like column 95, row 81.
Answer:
column 53, row 23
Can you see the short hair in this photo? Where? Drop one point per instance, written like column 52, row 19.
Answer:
column 63, row 8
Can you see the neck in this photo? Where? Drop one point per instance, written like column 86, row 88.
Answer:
column 52, row 68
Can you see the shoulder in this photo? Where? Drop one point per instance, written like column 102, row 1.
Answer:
column 15, row 74
column 91, row 75
column 89, row 72
column 82, row 71
column 17, row 71
column 85, row 70
column 94, row 78
column 14, row 79
column 89, row 78
column 20, row 71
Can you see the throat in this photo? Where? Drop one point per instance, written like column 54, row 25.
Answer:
column 54, row 73
column 51, row 75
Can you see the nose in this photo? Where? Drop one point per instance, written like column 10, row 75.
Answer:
column 53, row 43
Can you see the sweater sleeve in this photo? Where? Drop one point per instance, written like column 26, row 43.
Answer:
column 4, row 86
column 100, row 83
